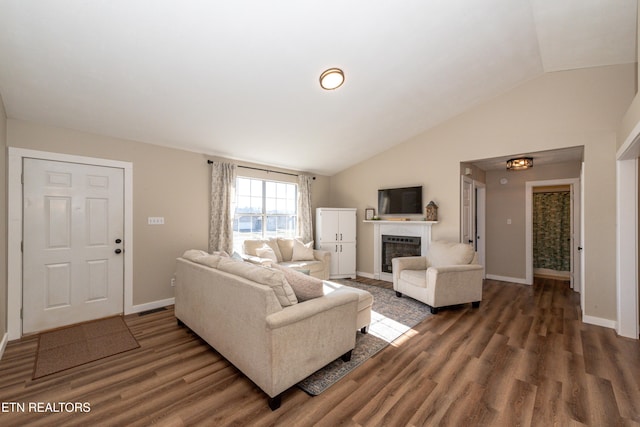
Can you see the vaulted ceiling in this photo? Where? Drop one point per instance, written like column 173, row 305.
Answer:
column 239, row 79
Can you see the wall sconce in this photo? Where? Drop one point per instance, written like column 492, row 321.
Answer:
column 519, row 163
column 332, row 78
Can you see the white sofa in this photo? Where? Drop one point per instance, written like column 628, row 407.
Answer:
column 449, row 275
column 250, row 315
column 288, row 252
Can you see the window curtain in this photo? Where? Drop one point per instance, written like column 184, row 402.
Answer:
column 552, row 231
column 223, row 185
column 305, row 214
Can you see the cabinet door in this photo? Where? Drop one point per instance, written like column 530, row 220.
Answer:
column 329, row 226
column 347, row 261
column 347, row 231
column 334, row 249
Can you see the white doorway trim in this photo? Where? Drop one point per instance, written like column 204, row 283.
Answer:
column 627, row 250
column 481, row 229
column 14, row 232
column 575, row 218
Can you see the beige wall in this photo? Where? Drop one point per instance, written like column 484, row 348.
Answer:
column 3, row 220
column 564, row 109
column 505, row 243
column 632, row 116
column 170, row 183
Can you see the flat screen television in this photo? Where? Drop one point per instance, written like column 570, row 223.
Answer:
column 407, row 200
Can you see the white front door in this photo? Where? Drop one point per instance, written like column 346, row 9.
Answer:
column 73, row 228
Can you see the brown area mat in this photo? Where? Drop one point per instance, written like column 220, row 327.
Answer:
column 76, row 345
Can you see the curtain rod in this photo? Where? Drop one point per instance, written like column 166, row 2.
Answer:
column 263, row 170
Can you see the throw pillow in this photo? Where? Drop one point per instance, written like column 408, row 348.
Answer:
column 264, row 276
column 301, row 251
column 443, row 253
column 304, row 286
column 267, row 252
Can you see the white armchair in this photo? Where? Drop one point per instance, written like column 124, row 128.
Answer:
column 448, row 275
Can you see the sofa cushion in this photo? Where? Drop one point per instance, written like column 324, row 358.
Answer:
column 249, row 247
column 443, row 253
column 304, row 286
column 311, row 266
column 267, row 252
column 286, row 248
column 263, row 275
column 302, row 251
column 193, row 254
column 209, row 260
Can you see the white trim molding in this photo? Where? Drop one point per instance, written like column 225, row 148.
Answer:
column 3, row 344
column 598, row 321
column 152, row 305
column 14, row 233
column 627, row 247
column 508, row 279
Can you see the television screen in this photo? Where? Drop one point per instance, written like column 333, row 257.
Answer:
column 406, row 200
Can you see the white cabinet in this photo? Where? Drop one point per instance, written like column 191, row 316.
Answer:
column 336, row 233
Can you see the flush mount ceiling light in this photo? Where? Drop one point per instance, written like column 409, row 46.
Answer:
column 332, row 78
column 519, row 163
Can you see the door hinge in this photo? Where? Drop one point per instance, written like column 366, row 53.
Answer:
column 22, row 246
column 21, row 313
column 22, row 178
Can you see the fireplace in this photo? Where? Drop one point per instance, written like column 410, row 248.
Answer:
column 398, row 246
column 416, row 229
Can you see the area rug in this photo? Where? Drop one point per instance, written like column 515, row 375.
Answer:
column 73, row 346
column 391, row 317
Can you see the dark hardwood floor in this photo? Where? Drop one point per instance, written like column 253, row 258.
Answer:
column 522, row 358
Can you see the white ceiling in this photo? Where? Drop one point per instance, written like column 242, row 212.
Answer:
column 239, row 79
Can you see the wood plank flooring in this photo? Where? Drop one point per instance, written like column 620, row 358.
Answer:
column 522, row 358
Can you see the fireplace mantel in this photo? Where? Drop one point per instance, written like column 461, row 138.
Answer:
column 420, row 229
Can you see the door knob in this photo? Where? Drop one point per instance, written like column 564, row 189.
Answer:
column 118, row 240
column 118, row 251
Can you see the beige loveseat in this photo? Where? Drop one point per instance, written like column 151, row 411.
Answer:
column 448, row 275
column 252, row 317
column 289, row 253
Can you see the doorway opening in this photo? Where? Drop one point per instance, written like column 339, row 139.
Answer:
column 556, row 231
column 15, row 219
column 551, row 232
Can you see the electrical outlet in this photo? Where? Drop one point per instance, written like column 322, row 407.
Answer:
column 173, row 282
column 155, row 220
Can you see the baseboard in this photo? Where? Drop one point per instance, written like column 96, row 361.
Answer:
column 551, row 274
column 3, row 344
column 508, row 279
column 151, row 305
column 363, row 274
column 599, row 321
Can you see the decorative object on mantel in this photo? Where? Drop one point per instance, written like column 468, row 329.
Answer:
column 369, row 214
column 432, row 211
column 397, row 219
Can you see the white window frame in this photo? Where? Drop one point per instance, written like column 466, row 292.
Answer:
column 239, row 237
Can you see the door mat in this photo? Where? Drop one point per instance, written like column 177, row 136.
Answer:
column 73, row 346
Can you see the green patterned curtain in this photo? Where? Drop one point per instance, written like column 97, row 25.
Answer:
column 552, row 230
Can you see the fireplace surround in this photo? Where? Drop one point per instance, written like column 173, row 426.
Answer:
column 421, row 229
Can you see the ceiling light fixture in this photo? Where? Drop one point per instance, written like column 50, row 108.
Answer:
column 519, row 163
column 332, row 78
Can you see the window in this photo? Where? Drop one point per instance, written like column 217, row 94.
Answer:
column 264, row 209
